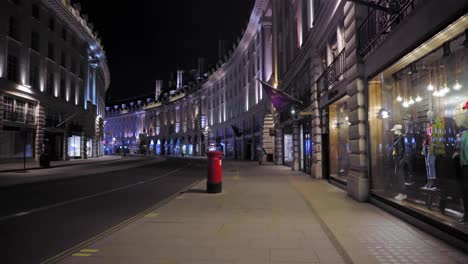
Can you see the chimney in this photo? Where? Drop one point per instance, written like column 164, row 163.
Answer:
column 180, row 79
column 221, row 48
column 201, row 67
column 158, row 89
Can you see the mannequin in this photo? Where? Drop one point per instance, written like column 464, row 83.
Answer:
column 398, row 160
column 428, row 153
column 461, row 154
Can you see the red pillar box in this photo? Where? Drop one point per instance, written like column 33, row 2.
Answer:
column 215, row 172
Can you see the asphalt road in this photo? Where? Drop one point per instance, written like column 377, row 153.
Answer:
column 40, row 220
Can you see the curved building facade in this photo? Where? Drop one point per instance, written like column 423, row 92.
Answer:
column 53, row 78
column 224, row 108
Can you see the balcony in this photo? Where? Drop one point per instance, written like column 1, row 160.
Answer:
column 375, row 28
column 332, row 74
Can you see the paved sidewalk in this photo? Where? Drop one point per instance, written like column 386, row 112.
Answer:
column 34, row 165
column 266, row 214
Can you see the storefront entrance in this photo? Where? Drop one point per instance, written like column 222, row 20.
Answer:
column 336, row 141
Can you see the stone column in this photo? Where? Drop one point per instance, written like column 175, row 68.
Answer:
column 316, row 130
column 65, row 144
column 296, row 148
column 279, row 146
column 358, row 181
column 83, row 146
column 40, row 124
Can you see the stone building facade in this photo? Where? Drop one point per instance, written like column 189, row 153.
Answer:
column 53, row 77
column 382, row 86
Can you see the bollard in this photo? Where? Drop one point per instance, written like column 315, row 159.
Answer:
column 215, row 172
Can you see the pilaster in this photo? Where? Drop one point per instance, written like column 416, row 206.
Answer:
column 358, row 184
column 296, row 147
column 279, row 146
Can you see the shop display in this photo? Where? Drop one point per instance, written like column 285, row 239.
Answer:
column 419, row 130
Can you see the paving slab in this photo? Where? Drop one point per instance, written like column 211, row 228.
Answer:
column 267, row 214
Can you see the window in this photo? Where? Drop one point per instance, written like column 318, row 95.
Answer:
column 63, row 59
column 30, row 116
column 20, row 111
column 50, row 51
column 34, row 76
column 63, row 87
column 35, row 41
column 64, row 34
column 73, row 66
column 13, row 28
column 35, row 11
column 50, row 83
column 51, row 24
column 12, row 68
column 8, row 108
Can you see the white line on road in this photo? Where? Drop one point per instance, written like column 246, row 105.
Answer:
column 4, row 218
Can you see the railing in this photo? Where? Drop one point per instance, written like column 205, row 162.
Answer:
column 379, row 23
column 19, row 117
column 332, row 73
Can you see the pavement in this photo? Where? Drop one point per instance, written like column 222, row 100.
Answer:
column 34, row 165
column 265, row 214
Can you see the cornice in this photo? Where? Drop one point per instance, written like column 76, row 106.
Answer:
column 72, row 17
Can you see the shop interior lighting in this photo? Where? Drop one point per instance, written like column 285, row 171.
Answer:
column 418, row 99
column 399, row 98
column 457, row 86
column 406, row 104
column 411, row 101
column 384, row 114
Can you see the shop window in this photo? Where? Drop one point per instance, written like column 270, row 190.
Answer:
column 74, row 147
column 418, row 118
column 339, row 140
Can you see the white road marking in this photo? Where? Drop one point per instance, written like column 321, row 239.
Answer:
column 86, row 197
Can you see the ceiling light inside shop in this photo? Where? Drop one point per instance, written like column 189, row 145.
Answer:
column 430, row 87
column 411, row 101
column 406, row 104
column 418, row 99
column 399, row 98
column 457, row 86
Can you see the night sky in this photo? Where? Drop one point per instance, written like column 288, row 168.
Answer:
column 146, row 40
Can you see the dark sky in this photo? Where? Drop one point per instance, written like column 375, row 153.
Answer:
column 145, row 40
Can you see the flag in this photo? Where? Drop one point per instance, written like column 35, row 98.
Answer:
column 279, row 99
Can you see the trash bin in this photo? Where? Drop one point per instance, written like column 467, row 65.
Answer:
column 44, row 160
column 215, row 172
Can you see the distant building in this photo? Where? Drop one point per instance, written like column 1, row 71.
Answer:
column 53, row 78
column 222, row 108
